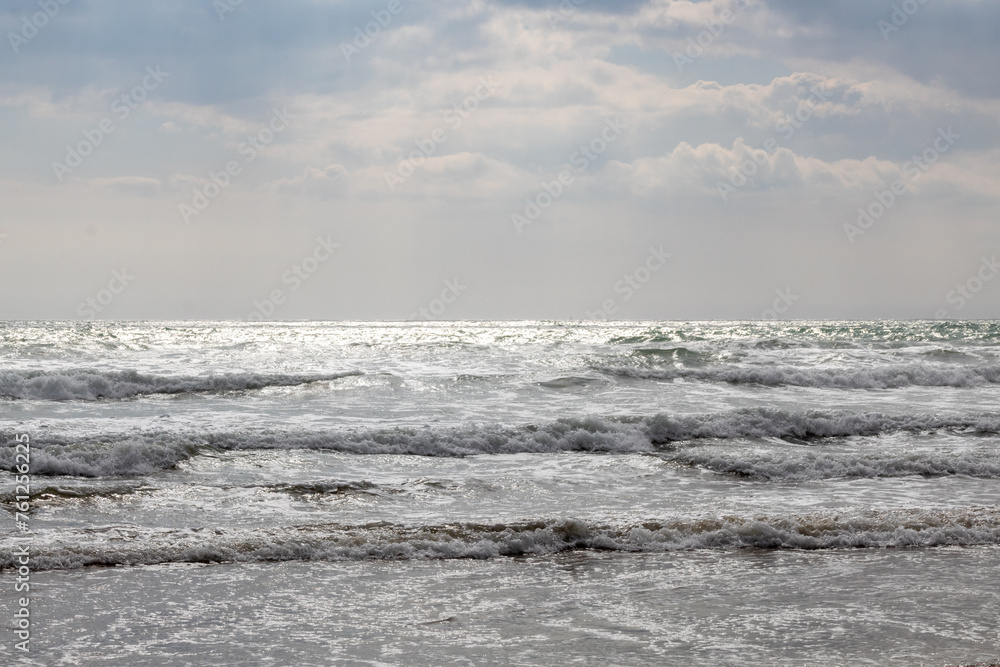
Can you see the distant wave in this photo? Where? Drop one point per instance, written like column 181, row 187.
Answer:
column 127, row 545
column 131, row 454
column 884, row 377
column 91, row 385
column 884, row 334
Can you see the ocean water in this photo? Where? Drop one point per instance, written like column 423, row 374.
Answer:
column 706, row 493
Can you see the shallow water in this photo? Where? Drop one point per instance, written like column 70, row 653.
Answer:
column 746, row 607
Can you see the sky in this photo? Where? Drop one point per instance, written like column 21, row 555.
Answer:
column 529, row 159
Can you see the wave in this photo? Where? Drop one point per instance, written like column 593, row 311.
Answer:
column 571, row 382
column 328, row 488
column 126, row 545
column 116, row 490
column 810, row 424
column 92, row 385
column 674, row 354
column 126, row 457
column 878, row 334
column 812, row 463
column 74, row 492
column 886, row 377
column 149, row 453
column 808, row 466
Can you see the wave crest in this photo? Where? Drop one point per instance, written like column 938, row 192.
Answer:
column 122, row 545
column 91, row 385
column 131, row 454
column 887, row 377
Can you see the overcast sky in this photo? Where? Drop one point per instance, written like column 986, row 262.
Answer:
column 191, row 159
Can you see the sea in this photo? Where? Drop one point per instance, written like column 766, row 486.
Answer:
column 509, row 493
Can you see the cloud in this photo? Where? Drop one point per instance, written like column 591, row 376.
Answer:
column 842, row 107
column 692, row 169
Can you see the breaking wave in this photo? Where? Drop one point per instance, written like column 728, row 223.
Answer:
column 92, row 385
column 126, row 545
column 806, row 466
column 886, row 377
column 148, row 453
